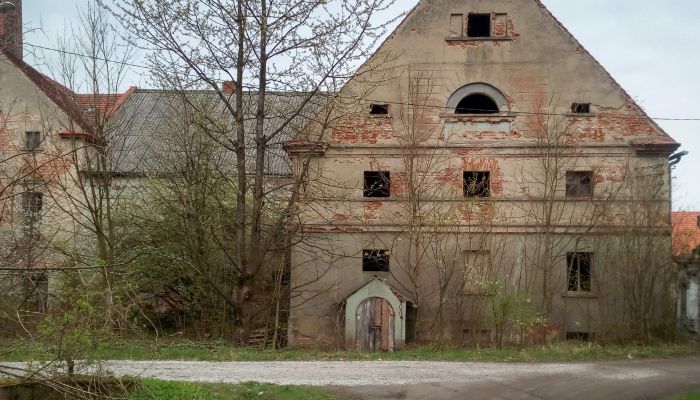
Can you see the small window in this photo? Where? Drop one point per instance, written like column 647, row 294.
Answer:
column 456, row 25
column 377, row 184
column 477, row 104
column 579, row 267
column 32, row 140
column 579, row 336
column 581, row 108
column 375, row 260
column 579, row 184
column 479, row 25
column 477, row 184
column 379, row 109
column 32, row 202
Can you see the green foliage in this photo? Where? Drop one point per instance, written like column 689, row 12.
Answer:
column 565, row 351
column 509, row 311
column 152, row 389
column 688, row 396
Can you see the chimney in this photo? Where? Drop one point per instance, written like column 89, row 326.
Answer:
column 229, row 87
column 11, row 27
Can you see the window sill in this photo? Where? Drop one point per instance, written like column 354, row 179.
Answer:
column 380, row 115
column 583, row 115
column 580, row 295
column 493, row 118
column 37, row 150
column 478, row 39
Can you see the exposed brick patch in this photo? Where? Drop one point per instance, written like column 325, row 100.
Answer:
column 477, row 212
column 372, row 210
column 361, row 129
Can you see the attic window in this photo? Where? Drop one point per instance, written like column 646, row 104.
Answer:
column 479, row 25
column 375, row 260
column 377, row 184
column 379, row 109
column 581, row 108
column 477, row 104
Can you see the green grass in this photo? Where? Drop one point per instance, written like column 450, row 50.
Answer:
column 566, row 351
column 152, row 389
column 689, row 396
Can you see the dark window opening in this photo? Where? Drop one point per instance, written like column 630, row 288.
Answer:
column 579, row 267
column 581, row 108
column 579, row 184
column 32, row 140
column 281, row 277
column 579, row 336
column 379, row 109
column 477, row 104
column 479, row 25
column 377, row 184
column 375, row 260
column 32, row 202
column 477, row 183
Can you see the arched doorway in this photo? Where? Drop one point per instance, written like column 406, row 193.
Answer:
column 375, row 325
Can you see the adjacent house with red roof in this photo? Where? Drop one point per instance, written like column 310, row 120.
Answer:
column 686, row 232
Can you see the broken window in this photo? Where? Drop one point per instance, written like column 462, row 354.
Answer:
column 581, row 108
column 377, row 184
column 579, row 184
column 579, row 267
column 579, row 336
column 379, row 109
column 477, row 104
column 477, row 183
column 479, row 25
column 375, row 260
column 32, row 140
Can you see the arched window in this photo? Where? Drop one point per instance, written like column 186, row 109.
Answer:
column 477, row 104
column 478, row 98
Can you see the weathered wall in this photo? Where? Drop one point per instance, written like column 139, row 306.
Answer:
column 540, row 71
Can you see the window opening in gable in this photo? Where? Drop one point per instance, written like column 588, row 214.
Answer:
column 581, row 108
column 579, row 183
column 479, row 25
column 477, row 183
column 456, row 25
column 377, row 184
column 32, row 140
column 477, row 104
column 375, row 260
column 579, row 271
column 379, row 109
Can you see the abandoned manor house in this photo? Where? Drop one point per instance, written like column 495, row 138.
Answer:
column 480, row 179
column 491, row 167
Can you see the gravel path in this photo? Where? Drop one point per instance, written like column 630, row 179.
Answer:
column 378, row 373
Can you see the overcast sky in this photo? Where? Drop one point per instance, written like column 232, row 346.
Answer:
column 649, row 46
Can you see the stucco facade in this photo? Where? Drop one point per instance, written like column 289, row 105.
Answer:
column 554, row 121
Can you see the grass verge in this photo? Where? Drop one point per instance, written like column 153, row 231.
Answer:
column 567, row 351
column 688, row 396
column 152, row 389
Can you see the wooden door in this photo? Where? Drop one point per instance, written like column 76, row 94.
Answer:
column 375, row 325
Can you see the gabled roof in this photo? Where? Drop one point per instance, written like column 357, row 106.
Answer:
column 403, row 298
column 148, row 116
column 686, row 233
column 78, row 107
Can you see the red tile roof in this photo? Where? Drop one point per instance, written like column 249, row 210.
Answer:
column 686, row 233
column 78, row 107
